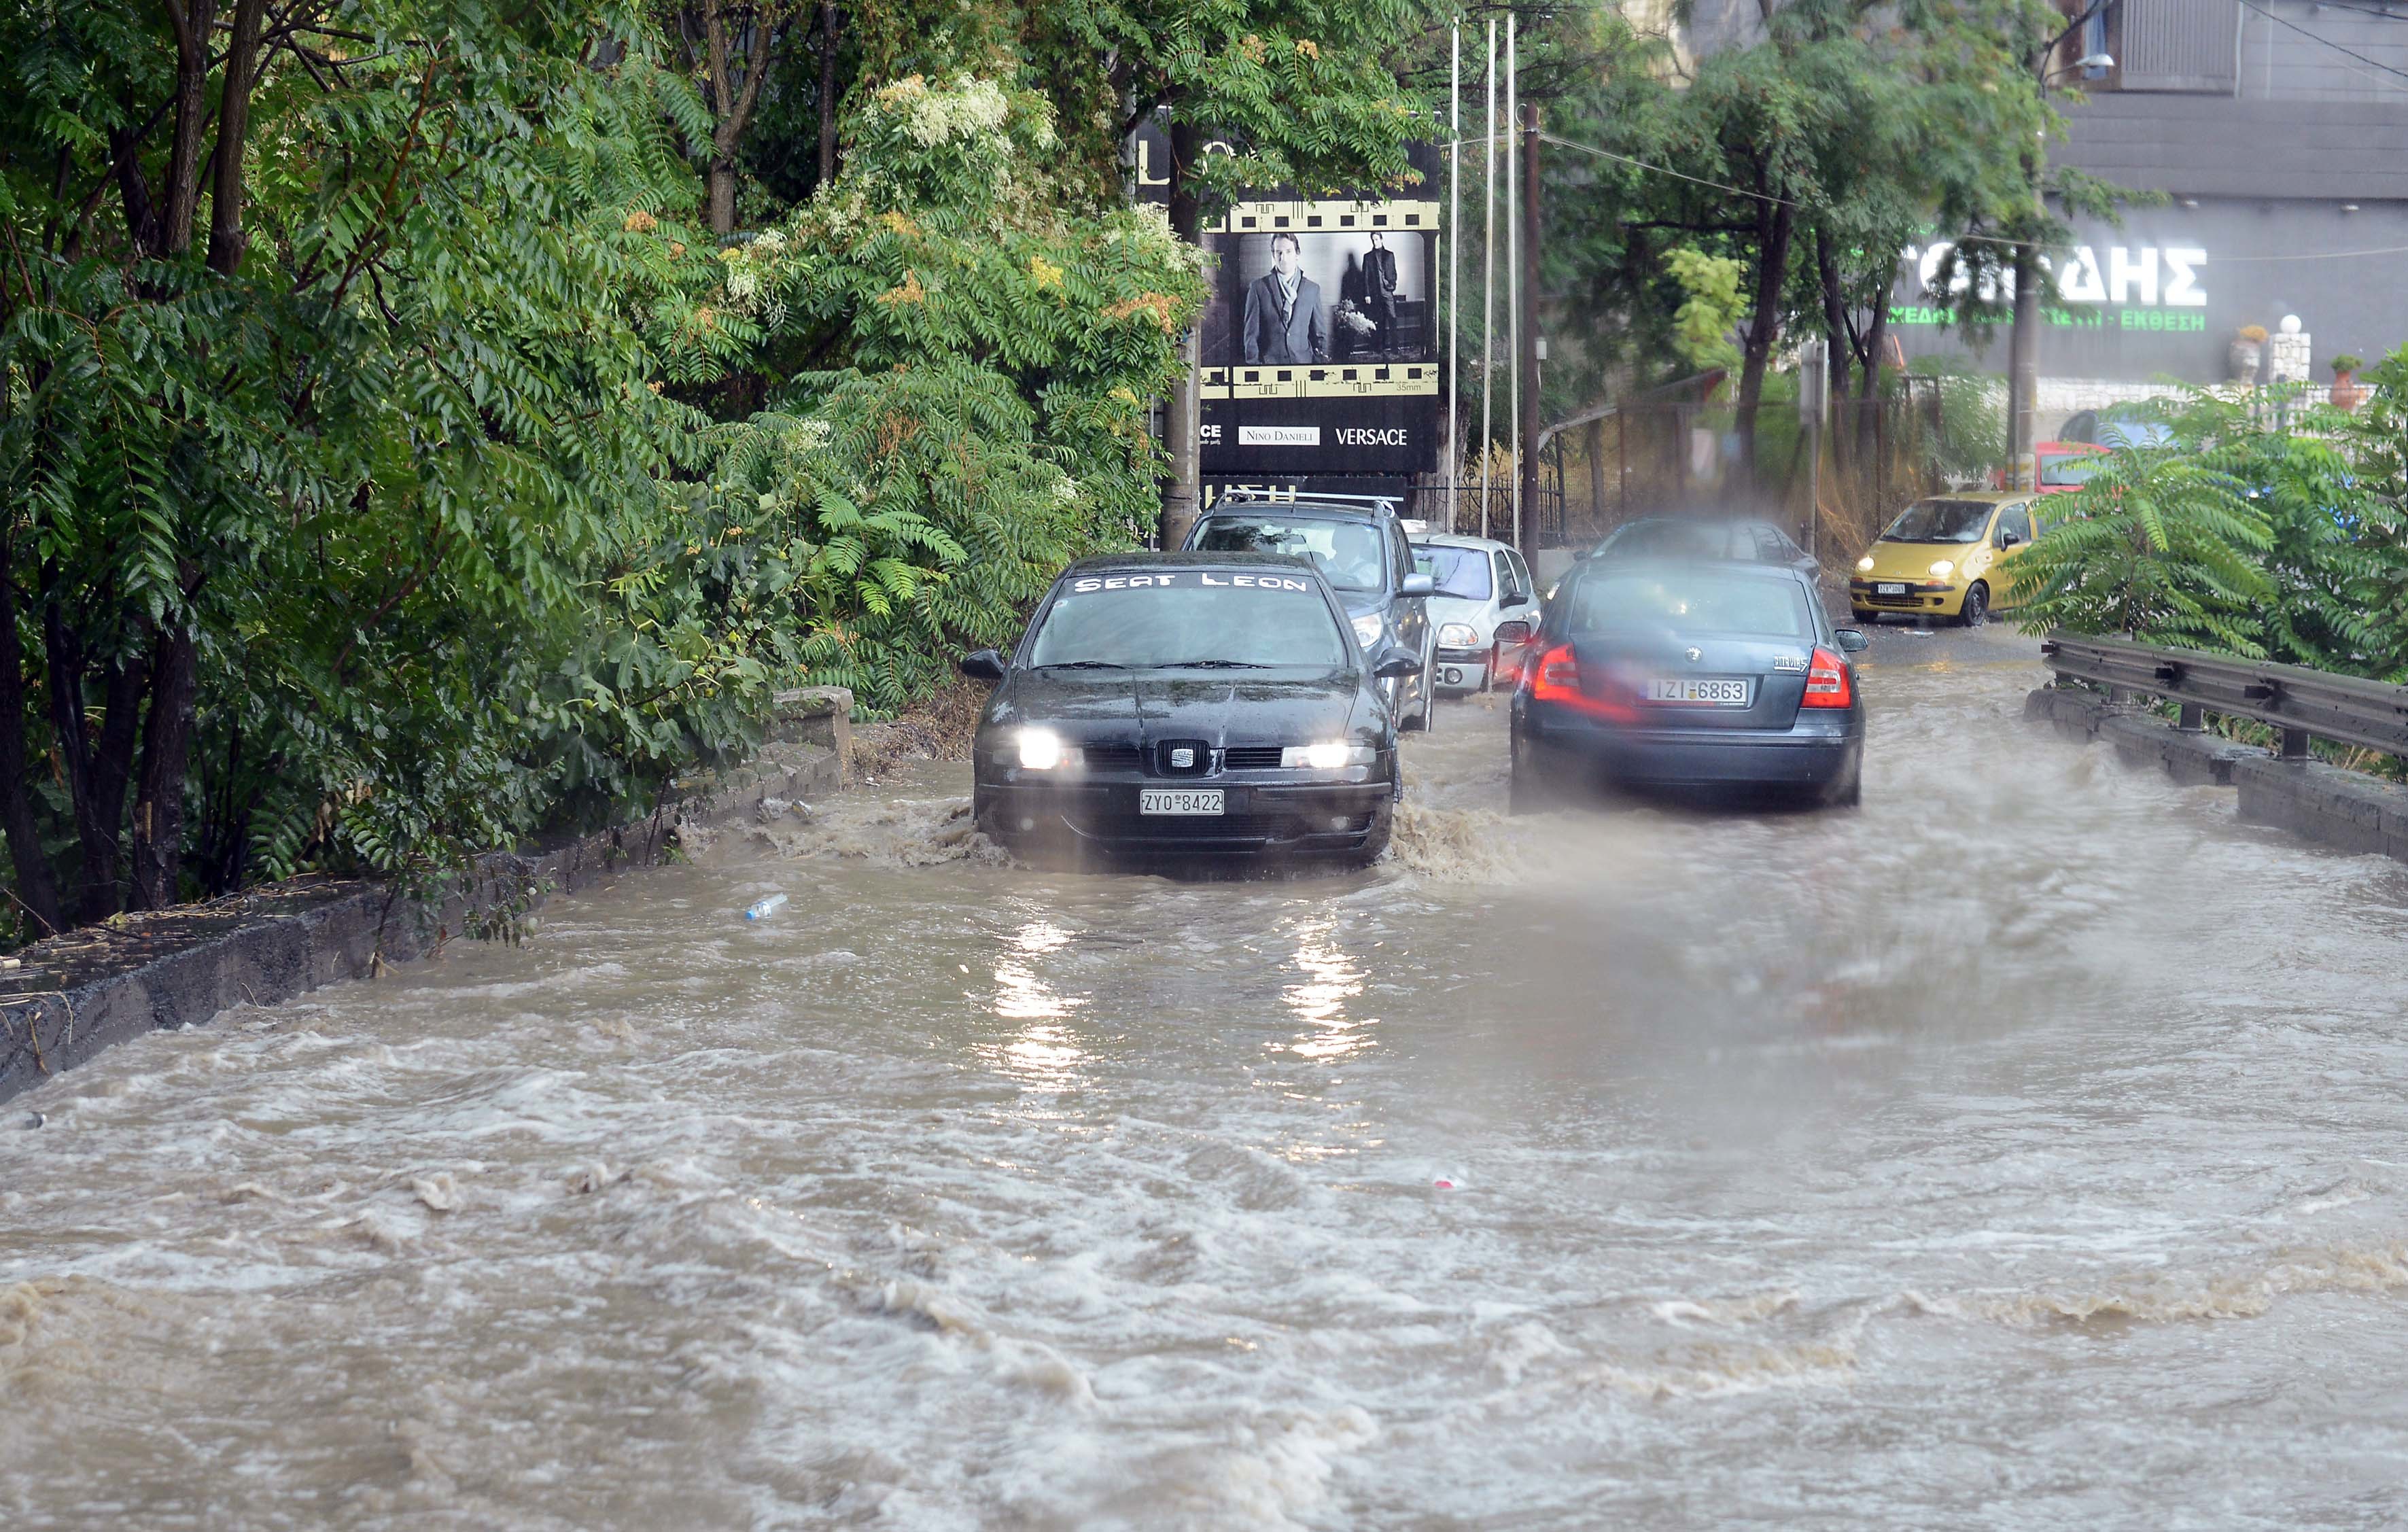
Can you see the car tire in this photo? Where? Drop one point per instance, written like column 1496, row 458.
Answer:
column 1866, row 619
column 1375, row 845
column 1528, row 793
column 1977, row 604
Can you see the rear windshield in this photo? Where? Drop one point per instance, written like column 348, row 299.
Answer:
column 1353, row 554
column 1205, row 620
column 1940, row 521
column 1668, row 541
column 2070, row 470
column 1688, row 601
column 1459, row 571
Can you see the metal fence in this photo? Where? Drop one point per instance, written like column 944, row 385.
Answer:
column 2303, row 704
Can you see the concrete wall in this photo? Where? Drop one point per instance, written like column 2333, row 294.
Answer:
column 2347, row 810
column 71, row 996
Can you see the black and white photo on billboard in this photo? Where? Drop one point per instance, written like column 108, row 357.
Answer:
column 1300, row 299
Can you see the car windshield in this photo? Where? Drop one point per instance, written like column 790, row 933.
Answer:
column 1353, row 554
column 1665, row 540
column 1459, row 571
column 1940, row 521
column 2070, row 470
column 1190, row 617
column 1687, row 601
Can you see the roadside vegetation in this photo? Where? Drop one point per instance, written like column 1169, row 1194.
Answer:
column 2266, row 524
column 427, row 422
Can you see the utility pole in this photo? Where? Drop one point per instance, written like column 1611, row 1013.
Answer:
column 1528, row 488
column 1488, row 277
column 1512, row 272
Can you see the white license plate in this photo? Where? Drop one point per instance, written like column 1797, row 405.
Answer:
column 1889, row 588
column 1721, row 694
column 1179, row 800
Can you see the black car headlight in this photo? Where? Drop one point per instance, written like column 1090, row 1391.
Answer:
column 1042, row 750
column 1331, row 756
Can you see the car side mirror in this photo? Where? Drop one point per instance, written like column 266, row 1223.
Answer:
column 1852, row 639
column 986, row 665
column 1581, row 554
column 1418, row 585
column 1395, row 663
column 2007, row 541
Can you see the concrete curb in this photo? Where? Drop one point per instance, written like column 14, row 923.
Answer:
column 78, row 993
column 2347, row 810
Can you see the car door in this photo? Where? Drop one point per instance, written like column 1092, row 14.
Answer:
column 2008, row 536
column 1411, row 611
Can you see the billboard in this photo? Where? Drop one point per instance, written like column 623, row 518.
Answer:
column 2164, row 293
column 1322, row 343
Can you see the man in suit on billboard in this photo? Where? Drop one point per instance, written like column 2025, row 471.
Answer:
column 1282, row 320
column 1380, row 291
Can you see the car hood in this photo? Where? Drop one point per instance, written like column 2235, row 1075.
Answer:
column 1241, row 707
column 1479, row 615
column 1913, row 561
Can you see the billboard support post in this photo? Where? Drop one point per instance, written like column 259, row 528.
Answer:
column 1452, row 445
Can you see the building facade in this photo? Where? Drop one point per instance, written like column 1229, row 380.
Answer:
column 2272, row 137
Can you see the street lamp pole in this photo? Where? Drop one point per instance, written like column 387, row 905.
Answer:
column 2023, row 340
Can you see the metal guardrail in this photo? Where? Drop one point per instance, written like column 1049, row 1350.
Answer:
column 2300, row 702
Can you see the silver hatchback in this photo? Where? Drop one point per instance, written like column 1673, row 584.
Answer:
column 1485, row 609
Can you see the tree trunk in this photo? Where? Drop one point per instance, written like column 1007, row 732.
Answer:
column 167, row 746
column 722, row 194
column 1183, row 500
column 1837, row 346
column 95, row 769
column 37, row 890
column 828, row 38
column 234, row 127
column 1764, row 326
column 193, row 22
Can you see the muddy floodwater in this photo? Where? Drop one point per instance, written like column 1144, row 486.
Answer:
column 2029, row 1148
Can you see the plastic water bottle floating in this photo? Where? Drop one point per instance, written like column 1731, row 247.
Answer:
column 764, row 908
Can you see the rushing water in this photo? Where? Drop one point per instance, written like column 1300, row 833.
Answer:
column 2029, row 1148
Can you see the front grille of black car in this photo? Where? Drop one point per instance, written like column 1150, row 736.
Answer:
column 1166, row 756
column 1115, row 757
column 1251, row 757
column 1207, row 827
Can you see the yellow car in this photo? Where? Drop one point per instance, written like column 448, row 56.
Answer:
column 1952, row 555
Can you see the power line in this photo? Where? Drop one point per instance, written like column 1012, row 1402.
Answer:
column 2315, row 36
column 1956, row 239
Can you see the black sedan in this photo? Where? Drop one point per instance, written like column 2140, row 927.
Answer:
column 1688, row 674
column 1167, row 704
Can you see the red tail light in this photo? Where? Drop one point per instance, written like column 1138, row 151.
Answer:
column 1828, row 684
column 1556, row 676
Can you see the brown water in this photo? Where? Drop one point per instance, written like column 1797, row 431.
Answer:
column 2029, row 1148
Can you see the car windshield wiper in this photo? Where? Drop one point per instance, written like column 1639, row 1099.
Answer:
column 1214, row 665
column 1081, row 665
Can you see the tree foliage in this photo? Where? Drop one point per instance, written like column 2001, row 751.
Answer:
column 372, row 488
column 2264, row 524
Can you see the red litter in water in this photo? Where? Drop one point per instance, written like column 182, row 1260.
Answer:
column 1443, row 1184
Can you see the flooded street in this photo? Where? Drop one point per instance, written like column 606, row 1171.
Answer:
column 2027, row 1148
